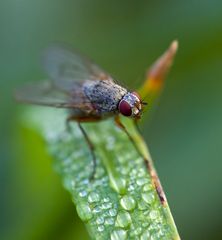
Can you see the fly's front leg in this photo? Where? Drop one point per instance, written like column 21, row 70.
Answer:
column 120, row 125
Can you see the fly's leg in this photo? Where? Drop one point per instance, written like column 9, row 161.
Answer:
column 68, row 127
column 89, row 143
column 120, row 125
column 91, row 148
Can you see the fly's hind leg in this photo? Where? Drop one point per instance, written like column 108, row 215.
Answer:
column 120, row 125
column 91, row 148
column 89, row 143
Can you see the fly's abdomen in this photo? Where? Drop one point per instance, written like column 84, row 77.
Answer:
column 104, row 95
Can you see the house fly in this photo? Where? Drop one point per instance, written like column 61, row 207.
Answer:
column 78, row 84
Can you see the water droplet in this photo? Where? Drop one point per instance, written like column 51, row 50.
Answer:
column 138, row 231
column 106, row 214
column 93, row 197
column 106, row 199
column 147, row 187
column 142, row 205
column 124, row 171
column 141, row 181
column 154, row 214
column 148, row 197
column 82, row 193
column 160, row 233
column 133, row 172
column 141, row 173
column 84, row 211
column 85, row 181
column 113, row 212
column 119, row 234
column 101, row 228
column 123, row 219
column 100, row 220
column 106, row 205
column 131, row 187
column 96, row 209
column 145, row 235
column 145, row 224
column 128, row 202
column 109, row 221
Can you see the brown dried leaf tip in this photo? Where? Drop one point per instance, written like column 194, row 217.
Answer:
column 158, row 71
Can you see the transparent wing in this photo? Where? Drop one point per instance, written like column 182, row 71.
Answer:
column 45, row 94
column 66, row 67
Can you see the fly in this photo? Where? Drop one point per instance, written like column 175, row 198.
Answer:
column 78, row 84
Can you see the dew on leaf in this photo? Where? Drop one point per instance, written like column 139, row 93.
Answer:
column 141, row 181
column 100, row 220
column 106, row 205
column 148, row 197
column 147, row 187
column 84, row 211
column 128, row 202
column 112, row 212
column 96, row 209
column 106, row 199
column 119, row 234
column 138, row 231
column 101, row 228
column 153, row 214
column 142, row 205
column 82, row 193
column 123, row 219
column 145, row 235
column 109, row 221
column 93, row 197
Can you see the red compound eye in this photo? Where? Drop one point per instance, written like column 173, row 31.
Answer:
column 137, row 95
column 125, row 108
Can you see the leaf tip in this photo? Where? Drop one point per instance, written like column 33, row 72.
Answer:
column 174, row 46
column 157, row 73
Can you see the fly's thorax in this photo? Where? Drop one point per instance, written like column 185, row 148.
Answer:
column 104, row 95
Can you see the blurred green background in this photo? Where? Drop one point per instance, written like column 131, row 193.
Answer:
column 184, row 135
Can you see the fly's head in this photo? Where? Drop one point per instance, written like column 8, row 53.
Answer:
column 131, row 105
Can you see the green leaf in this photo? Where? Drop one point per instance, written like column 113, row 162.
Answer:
column 122, row 201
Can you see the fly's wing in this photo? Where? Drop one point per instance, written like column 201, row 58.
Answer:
column 68, row 68
column 46, row 95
